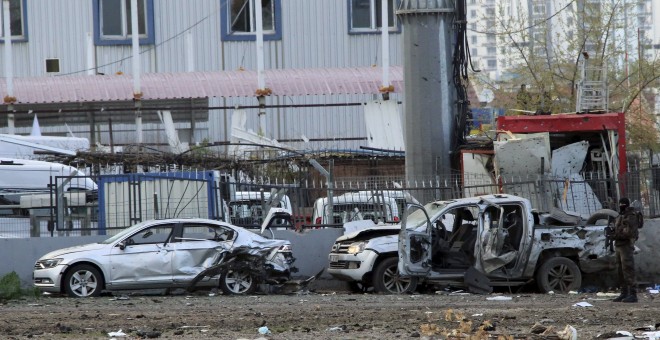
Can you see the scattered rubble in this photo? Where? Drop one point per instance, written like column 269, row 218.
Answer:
column 327, row 315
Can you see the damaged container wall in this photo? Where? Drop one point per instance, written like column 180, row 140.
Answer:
column 520, row 160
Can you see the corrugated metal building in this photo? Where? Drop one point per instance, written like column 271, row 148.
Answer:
column 89, row 38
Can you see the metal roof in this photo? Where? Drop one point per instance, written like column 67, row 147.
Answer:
column 242, row 83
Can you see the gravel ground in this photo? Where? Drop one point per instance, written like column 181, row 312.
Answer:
column 321, row 315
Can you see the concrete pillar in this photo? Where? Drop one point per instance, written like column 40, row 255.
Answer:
column 429, row 103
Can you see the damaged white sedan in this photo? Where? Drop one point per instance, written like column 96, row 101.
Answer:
column 169, row 253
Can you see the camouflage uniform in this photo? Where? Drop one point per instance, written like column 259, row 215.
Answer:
column 625, row 234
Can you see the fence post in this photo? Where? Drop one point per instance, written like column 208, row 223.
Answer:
column 156, row 207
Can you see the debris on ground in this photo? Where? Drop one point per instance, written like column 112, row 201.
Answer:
column 341, row 328
column 569, row 333
column 499, row 298
column 263, row 330
column 117, row 334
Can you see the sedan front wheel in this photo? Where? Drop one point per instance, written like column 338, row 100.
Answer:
column 83, row 281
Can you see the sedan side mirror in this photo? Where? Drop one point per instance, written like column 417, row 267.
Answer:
column 121, row 245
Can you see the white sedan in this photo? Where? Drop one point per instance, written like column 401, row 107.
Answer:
column 167, row 253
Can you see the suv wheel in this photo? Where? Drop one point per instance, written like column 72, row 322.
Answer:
column 560, row 275
column 386, row 278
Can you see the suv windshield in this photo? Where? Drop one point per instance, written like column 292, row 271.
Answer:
column 418, row 218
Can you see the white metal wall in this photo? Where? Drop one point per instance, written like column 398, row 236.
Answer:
column 314, row 35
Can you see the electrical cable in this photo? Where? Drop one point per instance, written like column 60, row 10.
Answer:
column 461, row 59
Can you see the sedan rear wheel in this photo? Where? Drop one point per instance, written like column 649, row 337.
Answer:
column 237, row 283
column 83, row 281
column 387, row 280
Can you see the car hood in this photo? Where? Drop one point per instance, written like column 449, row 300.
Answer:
column 376, row 231
column 75, row 249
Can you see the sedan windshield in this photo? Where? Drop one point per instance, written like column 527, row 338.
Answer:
column 418, row 218
column 123, row 233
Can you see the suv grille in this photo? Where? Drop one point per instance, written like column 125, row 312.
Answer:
column 340, row 248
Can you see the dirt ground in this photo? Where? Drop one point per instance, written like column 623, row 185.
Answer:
column 321, row 315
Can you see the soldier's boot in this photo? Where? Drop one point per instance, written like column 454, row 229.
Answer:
column 624, row 294
column 632, row 295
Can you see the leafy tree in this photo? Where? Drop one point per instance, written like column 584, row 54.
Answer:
column 545, row 51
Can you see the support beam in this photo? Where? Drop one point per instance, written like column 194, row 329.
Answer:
column 430, row 106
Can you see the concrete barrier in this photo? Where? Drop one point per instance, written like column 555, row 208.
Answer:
column 310, row 249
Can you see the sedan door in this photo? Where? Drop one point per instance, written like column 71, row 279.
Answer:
column 198, row 248
column 145, row 260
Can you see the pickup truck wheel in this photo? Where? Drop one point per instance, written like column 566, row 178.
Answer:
column 387, row 280
column 237, row 282
column 560, row 275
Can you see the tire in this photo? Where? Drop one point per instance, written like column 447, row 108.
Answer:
column 602, row 214
column 560, row 275
column 83, row 281
column 237, row 283
column 359, row 287
column 387, row 281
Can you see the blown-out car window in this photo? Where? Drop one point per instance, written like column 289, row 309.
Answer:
column 203, row 232
column 155, row 234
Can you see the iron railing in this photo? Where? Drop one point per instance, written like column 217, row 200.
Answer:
column 117, row 205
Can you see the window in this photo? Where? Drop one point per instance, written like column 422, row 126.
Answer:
column 52, row 66
column 539, row 9
column 366, row 16
column 17, row 20
column 206, row 232
column 490, row 38
column 154, row 235
column 239, row 20
column 473, row 14
column 474, row 39
column 491, row 50
column 492, row 63
column 112, row 22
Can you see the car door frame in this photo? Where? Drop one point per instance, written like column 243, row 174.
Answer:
column 125, row 272
column 183, row 271
column 521, row 256
column 417, row 240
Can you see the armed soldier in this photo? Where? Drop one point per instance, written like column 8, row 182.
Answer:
column 625, row 234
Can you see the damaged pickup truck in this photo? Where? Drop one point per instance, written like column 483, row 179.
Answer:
column 476, row 243
column 168, row 253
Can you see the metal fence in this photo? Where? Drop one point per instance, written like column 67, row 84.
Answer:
column 123, row 200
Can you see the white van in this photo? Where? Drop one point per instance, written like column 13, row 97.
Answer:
column 21, row 176
column 246, row 207
column 355, row 206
